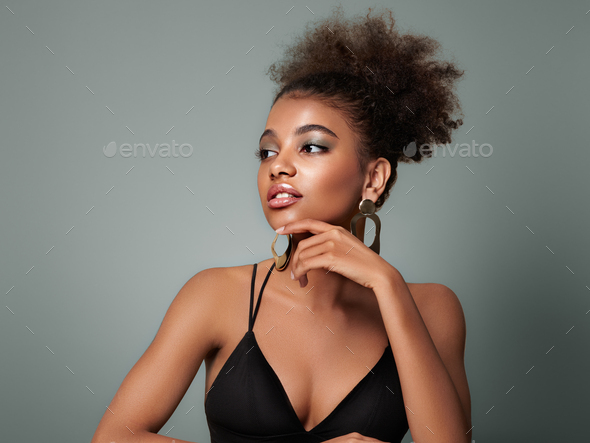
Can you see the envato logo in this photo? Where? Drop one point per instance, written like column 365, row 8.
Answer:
column 164, row 150
column 467, row 150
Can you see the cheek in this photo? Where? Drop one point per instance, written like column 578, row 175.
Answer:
column 341, row 179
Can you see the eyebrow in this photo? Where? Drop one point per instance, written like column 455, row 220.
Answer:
column 301, row 130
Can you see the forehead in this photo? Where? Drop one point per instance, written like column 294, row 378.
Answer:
column 287, row 114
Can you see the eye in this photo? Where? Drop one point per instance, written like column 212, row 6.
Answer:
column 309, row 145
column 262, row 154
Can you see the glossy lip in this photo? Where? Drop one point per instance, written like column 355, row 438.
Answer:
column 282, row 187
column 276, row 203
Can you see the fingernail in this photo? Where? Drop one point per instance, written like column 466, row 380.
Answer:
column 292, row 276
column 279, row 230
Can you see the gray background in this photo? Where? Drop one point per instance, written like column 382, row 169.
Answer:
column 508, row 233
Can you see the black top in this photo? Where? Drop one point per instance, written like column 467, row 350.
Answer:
column 247, row 402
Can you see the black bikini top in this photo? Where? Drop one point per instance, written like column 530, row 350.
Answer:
column 247, row 401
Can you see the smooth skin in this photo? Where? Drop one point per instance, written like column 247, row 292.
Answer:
column 321, row 331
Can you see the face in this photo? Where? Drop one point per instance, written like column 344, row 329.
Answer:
column 309, row 146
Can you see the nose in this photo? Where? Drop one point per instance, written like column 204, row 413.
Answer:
column 282, row 163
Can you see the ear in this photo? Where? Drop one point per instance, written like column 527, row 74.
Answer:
column 377, row 174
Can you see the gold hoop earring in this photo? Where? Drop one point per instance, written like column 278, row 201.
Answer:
column 282, row 261
column 367, row 208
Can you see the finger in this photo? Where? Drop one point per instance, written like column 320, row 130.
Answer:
column 306, row 225
column 316, row 262
column 307, row 247
column 303, row 256
column 331, row 240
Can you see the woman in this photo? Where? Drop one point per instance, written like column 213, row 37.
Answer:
column 353, row 353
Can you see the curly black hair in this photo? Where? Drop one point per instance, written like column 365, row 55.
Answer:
column 389, row 87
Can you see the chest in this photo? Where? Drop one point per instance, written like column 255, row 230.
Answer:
column 249, row 399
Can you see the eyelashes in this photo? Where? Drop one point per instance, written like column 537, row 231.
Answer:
column 258, row 153
column 262, row 154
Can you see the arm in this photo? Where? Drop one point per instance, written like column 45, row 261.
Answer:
column 429, row 346
column 154, row 387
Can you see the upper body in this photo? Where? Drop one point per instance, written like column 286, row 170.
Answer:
column 333, row 138
column 209, row 317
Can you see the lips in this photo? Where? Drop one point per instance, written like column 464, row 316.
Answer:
column 283, row 187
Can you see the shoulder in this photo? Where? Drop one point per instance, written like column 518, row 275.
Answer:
column 218, row 281
column 220, row 284
column 209, row 298
column 218, row 277
column 443, row 315
column 432, row 297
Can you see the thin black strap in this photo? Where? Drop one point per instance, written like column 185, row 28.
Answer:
column 253, row 318
column 250, row 322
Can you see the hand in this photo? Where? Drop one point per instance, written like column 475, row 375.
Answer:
column 335, row 249
column 353, row 437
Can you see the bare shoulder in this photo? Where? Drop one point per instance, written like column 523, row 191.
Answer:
column 228, row 282
column 433, row 297
column 219, row 282
column 226, row 289
column 204, row 299
column 439, row 306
